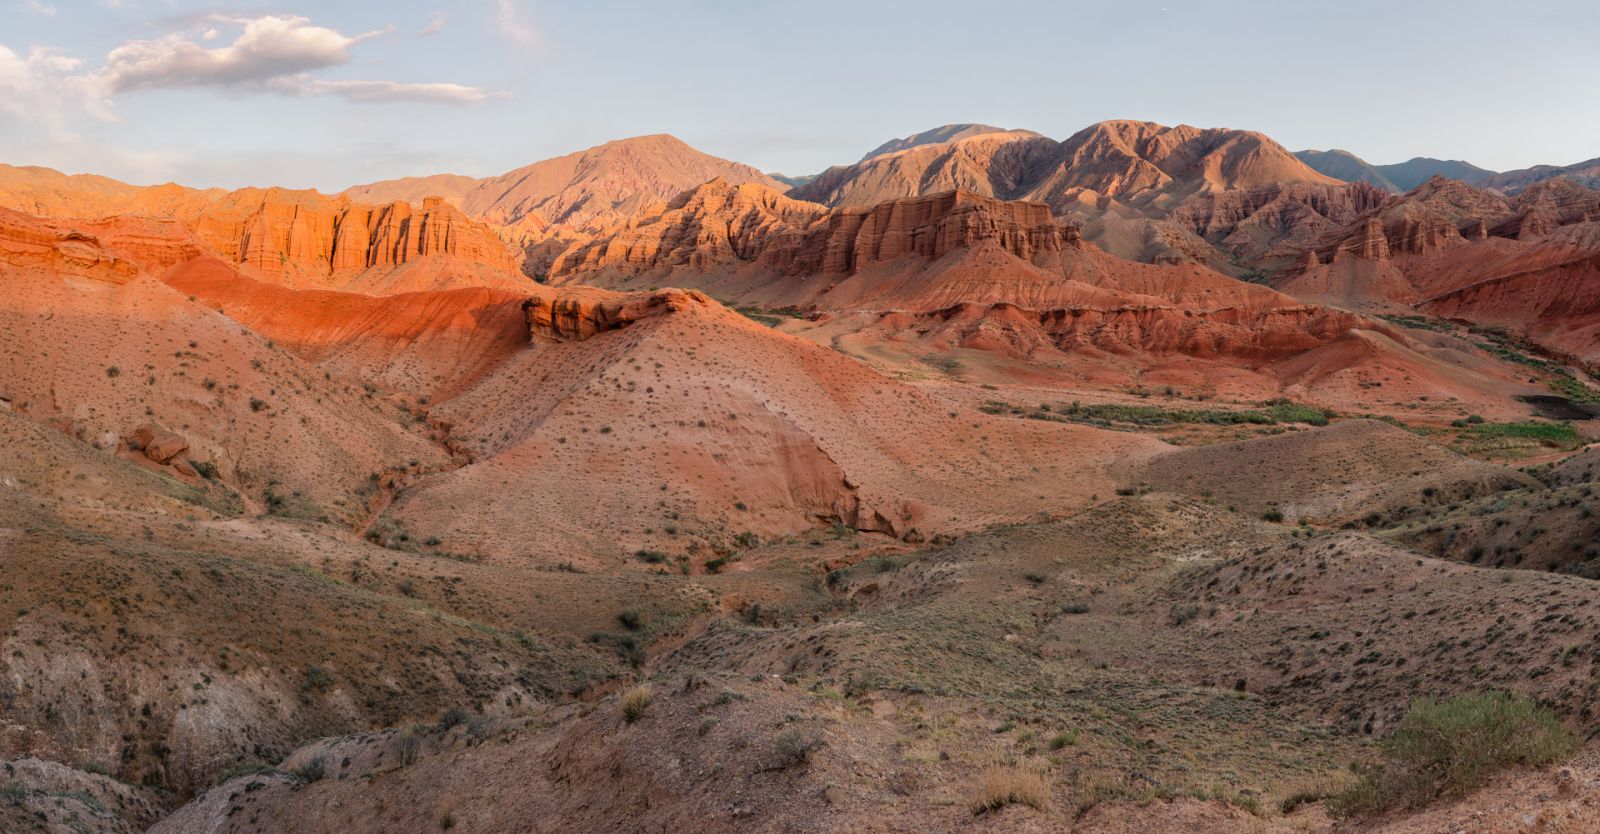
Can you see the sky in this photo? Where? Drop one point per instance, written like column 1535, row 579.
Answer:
column 333, row 93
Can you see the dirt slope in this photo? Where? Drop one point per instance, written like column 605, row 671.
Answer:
column 694, row 423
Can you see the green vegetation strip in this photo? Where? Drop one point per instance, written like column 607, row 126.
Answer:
column 1555, row 434
column 1114, row 414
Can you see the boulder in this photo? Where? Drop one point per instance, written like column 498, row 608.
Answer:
column 158, row 444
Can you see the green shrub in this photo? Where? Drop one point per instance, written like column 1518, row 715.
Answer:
column 1447, row 748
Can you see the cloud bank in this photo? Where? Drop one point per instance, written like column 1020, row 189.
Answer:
column 271, row 54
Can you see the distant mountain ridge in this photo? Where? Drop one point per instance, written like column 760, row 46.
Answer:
column 935, row 136
column 1397, row 178
column 1344, row 165
column 1128, row 160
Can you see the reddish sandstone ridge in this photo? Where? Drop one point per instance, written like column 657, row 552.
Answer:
column 715, row 224
column 1250, row 224
column 300, row 239
column 576, row 316
column 986, row 266
column 721, row 225
column 1450, row 249
column 34, row 244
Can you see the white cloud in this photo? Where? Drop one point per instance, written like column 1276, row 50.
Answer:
column 269, row 47
column 508, row 16
column 45, row 89
column 39, row 7
column 272, row 54
column 386, row 91
column 436, row 22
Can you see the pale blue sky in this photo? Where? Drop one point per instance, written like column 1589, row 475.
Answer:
column 328, row 94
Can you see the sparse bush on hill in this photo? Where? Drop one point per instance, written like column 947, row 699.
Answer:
column 1000, row 786
column 313, row 771
column 406, row 747
column 635, row 702
column 794, row 747
column 1447, row 748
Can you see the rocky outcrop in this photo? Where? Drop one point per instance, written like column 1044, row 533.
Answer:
column 717, row 223
column 1368, row 243
column 932, row 227
column 576, row 316
column 720, row 224
column 282, row 235
column 297, row 238
column 1254, row 224
column 31, row 243
column 1264, row 334
column 157, row 444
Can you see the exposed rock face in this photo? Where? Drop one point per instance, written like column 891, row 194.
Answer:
column 714, row 224
column 30, row 243
column 579, row 315
column 963, row 269
column 721, row 224
column 932, row 227
column 285, row 235
column 157, row 443
column 1251, row 224
column 296, row 238
column 1369, row 242
column 1451, row 249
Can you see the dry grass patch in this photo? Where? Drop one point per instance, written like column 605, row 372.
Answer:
column 635, row 701
column 1002, row 785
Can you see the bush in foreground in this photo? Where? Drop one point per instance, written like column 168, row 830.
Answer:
column 635, row 701
column 1447, row 748
column 1001, row 786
